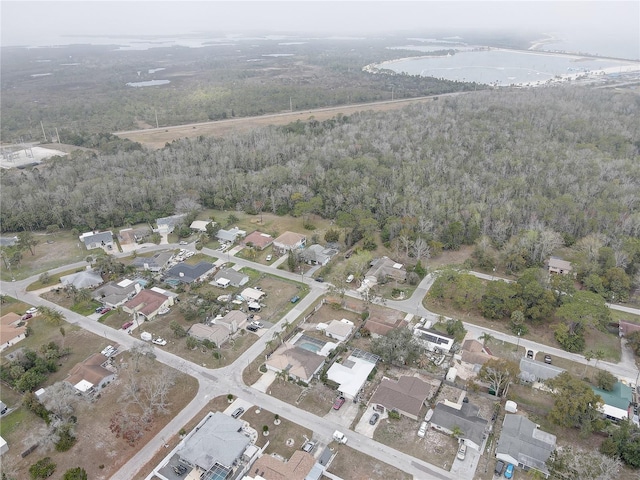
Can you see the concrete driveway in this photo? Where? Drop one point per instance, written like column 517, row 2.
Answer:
column 345, row 415
column 363, row 425
column 265, row 381
column 466, row 468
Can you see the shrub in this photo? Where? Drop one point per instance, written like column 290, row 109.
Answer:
column 67, row 438
column 394, row 415
column 43, row 468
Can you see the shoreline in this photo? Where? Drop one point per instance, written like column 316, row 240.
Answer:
column 630, row 66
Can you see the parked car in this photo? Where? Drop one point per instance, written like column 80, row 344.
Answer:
column 257, row 324
column 105, row 310
column 32, row 310
column 350, row 279
column 462, row 451
column 320, row 279
column 374, row 418
column 295, row 299
column 339, row 402
column 182, row 242
column 499, row 468
column 422, row 431
column 547, row 359
column 99, row 309
column 126, row 325
column 160, row 341
column 26, row 316
column 308, row 446
column 252, row 328
column 508, row 473
column 529, row 353
column 268, row 258
column 237, row 412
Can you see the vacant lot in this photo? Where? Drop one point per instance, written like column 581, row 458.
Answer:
column 353, row 465
column 97, row 450
column 317, row 398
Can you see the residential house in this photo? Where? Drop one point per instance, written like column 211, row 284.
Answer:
column 626, row 327
column 217, row 334
column 228, row 276
column 268, row 467
column 91, row 375
column 166, row 225
column 83, row 279
column 213, row 448
column 339, row 329
column 379, row 325
column 406, row 395
column 352, row 373
column 289, row 241
column 185, row 273
column 298, row 363
column 534, row 371
column 616, row 402
column 473, row 352
column 383, row 269
column 522, row 443
column 434, row 340
column 317, row 254
column 155, row 263
column 557, row 266
column 201, row 225
column 230, row 236
column 4, row 446
column 259, row 240
column 462, row 417
column 252, row 294
column 148, row 303
column 127, row 236
column 11, row 330
column 232, row 320
column 103, row 240
column 114, row 294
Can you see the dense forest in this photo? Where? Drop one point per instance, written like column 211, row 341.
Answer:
column 82, row 88
column 489, row 163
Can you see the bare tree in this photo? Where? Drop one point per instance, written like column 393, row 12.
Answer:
column 421, row 249
column 61, row 400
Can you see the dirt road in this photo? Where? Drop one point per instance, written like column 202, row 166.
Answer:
column 157, row 137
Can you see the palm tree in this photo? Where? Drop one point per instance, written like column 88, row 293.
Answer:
column 598, row 355
column 485, row 338
column 51, row 316
column 588, row 355
column 82, row 296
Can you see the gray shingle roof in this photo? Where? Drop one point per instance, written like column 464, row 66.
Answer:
column 101, row 237
column 466, row 419
column 532, row 370
column 218, row 440
column 521, row 439
column 190, row 273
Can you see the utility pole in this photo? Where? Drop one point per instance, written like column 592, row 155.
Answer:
column 57, row 135
column 290, row 104
column 43, row 134
column 157, row 126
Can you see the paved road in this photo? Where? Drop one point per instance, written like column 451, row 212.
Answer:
column 215, row 382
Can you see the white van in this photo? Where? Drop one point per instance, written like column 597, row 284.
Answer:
column 423, row 430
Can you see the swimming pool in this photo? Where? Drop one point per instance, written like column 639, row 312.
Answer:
column 312, row 347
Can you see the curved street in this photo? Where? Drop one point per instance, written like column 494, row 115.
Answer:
column 215, row 382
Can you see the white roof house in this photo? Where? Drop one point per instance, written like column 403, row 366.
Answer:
column 200, row 225
column 251, row 294
column 434, row 340
column 353, row 372
column 339, row 329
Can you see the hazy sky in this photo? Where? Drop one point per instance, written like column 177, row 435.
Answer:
column 46, row 22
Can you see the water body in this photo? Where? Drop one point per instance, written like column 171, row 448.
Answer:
column 148, row 83
column 506, row 67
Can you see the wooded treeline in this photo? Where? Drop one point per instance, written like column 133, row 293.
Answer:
column 492, row 163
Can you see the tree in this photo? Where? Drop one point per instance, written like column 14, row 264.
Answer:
column 633, row 341
column 485, row 338
column 332, row 235
column 177, row 329
column 26, row 241
column 576, row 405
column 586, row 309
column 60, row 400
column 498, row 373
column 568, row 463
column 51, row 316
column 624, row 443
column 517, row 324
column 399, row 345
column 141, row 350
column 570, row 340
column 605, row 380
column 77, row 473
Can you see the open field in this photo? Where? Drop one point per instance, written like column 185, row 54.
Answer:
column 353, row 465
column 157, row 137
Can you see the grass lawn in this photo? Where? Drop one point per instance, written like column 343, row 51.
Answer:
column 278, row 434
column 53, row 280
column 317, row 398
column 63, row 249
